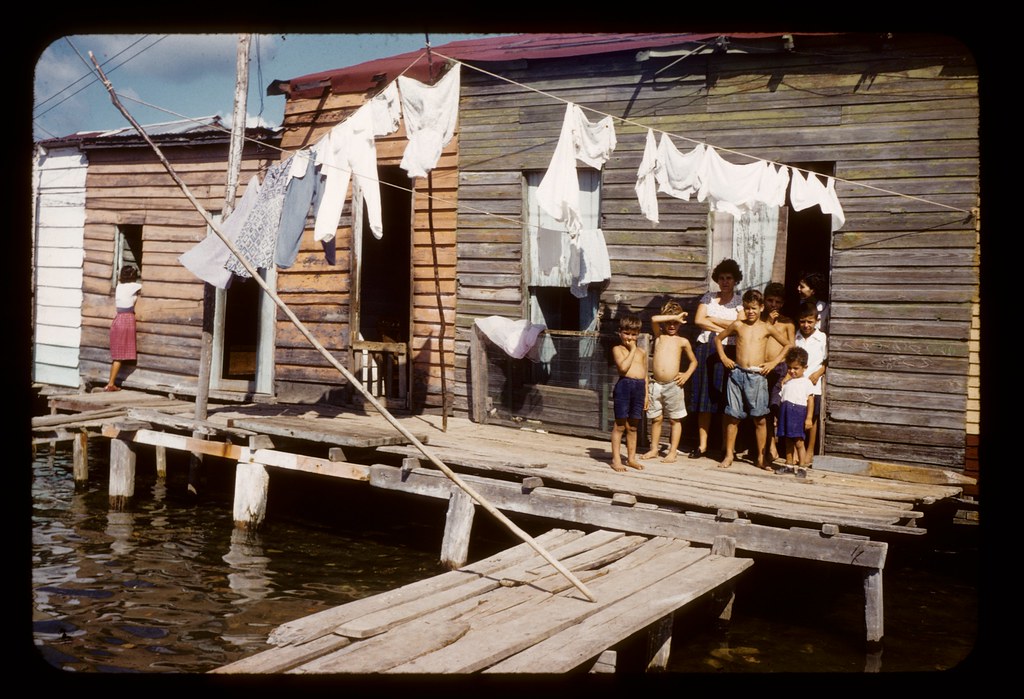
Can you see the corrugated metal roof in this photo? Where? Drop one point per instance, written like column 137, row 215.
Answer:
column 367, row 76
column 167, row 128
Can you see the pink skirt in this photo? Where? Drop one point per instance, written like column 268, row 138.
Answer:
column 122, row 336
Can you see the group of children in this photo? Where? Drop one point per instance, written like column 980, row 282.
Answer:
column 775, row 380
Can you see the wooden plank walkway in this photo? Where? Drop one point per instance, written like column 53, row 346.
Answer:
column 828, row 516
column 850, row 501
column 510, row 613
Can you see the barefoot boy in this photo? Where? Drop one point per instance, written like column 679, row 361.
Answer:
column 747, row 387
column 774, row 298
column 814, row 341
column 630, row 391
column 796, row 410
column 665, row 391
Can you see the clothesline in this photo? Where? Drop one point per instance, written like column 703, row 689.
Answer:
column 695, row 141
column 518, row 221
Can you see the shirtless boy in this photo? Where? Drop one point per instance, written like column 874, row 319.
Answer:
column 665, row 390
column 747, row 388
column 774, row 298
column 630, row 391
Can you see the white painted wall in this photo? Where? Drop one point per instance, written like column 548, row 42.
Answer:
column 57, row 258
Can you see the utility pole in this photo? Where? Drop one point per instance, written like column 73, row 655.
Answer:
column 209, row 292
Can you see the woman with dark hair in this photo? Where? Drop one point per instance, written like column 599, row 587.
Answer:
column 813, row 287
column 715, row 312
column 122, row 330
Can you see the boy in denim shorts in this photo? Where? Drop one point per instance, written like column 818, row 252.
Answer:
column 630, row 391
column 747, row 387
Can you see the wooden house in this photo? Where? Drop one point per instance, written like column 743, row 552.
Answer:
column 894, row 119
column 134, row 213
column 58, row 227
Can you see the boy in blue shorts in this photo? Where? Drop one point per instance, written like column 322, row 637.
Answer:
column 747, row 387
column 630, row 392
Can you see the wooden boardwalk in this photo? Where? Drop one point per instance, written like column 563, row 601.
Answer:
column 510, row 613
column 829, row 516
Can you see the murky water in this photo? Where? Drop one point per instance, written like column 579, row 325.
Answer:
column 170, row 586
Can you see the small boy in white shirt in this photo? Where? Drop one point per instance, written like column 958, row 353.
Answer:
column 814, row 341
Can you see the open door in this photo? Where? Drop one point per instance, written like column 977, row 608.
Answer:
column 243, row 336
column 382, row 298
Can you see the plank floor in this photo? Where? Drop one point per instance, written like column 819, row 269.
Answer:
column 854, row 502
column 510, row 613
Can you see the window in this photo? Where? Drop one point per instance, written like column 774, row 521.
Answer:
column 569, row 313
column 127, row 250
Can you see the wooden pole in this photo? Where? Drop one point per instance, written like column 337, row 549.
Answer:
column 331, row 359
column 209, row 294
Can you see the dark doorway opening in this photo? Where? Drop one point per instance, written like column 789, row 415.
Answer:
column 808, row 242
column 241, row 329
column 385, row 266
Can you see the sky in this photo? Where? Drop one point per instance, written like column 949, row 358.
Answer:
column 167, row 77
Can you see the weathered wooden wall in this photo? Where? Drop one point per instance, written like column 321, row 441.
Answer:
column 131, row 186
column 903, row 116
column 322, row 293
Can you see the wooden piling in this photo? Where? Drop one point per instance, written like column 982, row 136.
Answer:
column 457, row 528
column 252, row 483
column 80, row 458
column 122, row 473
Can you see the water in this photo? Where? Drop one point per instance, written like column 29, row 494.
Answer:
column 170, row 586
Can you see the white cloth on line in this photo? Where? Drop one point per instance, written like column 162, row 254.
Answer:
column 588, row 260
column 646, row 184
column 591, row 143
column 678, row 174
column 348, row 152
column 207, row 258
column 430, row 112
column 515, row 337
column 729, row 187
column 807, row 190
column 387, row 110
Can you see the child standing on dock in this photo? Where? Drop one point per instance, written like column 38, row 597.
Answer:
column 630, row 392
column 122, row 330
column 747, row 387
column 774, row 299
column 665, row 390
column 795, row 411
column 813, row 339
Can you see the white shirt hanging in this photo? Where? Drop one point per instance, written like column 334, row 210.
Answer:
column 431, row 112
column 592, row 143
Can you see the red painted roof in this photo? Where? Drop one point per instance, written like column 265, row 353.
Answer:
column 372, row 74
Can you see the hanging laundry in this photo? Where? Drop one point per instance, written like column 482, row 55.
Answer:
column 549, row 249
column 206, row 259
column 302, row 191
column 807, row 190
column 646, row 185
column 592, row 143
column 257, row 241
column 515, row 337
column 348, row 152
column 387, row 110
column 588, row 260
column 728, row 187
column 678, row 175
column 430, row 112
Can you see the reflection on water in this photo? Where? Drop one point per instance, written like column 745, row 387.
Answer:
column 170, row 585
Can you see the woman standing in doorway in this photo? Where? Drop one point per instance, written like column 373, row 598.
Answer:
column 122, row 330
column 715, row 312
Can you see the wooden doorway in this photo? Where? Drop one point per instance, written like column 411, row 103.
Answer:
column 383, row 292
